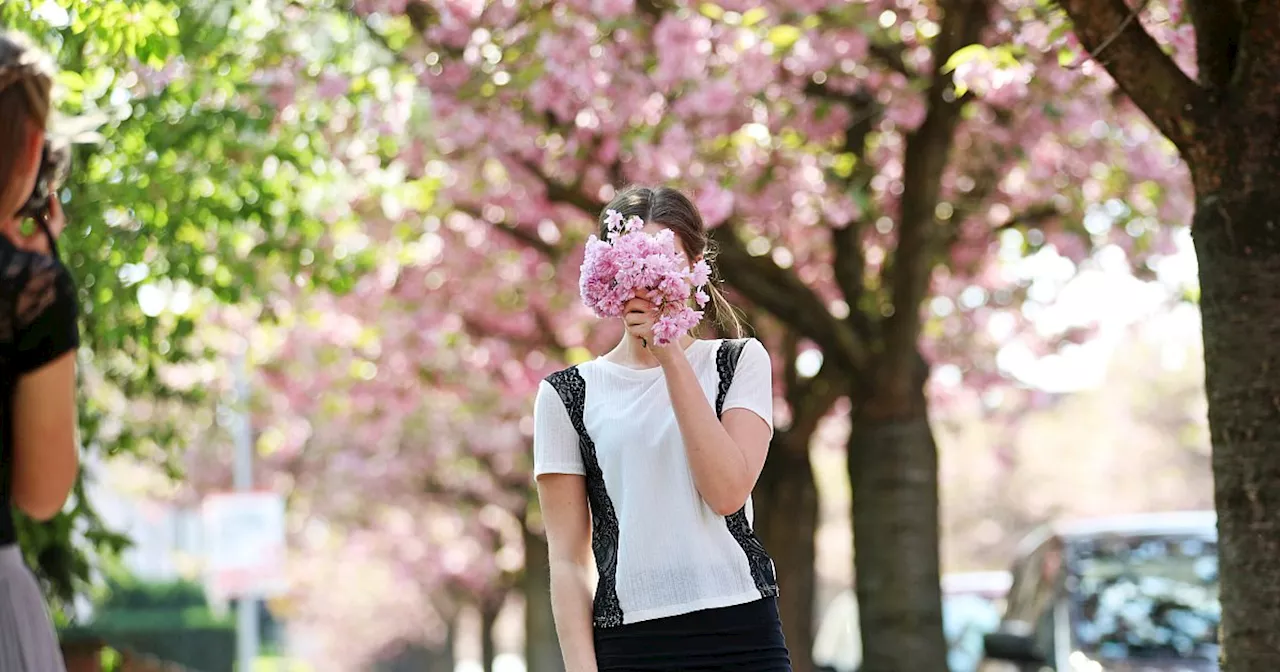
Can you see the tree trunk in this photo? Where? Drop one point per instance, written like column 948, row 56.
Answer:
column 541, row 646
column 1225, row 123
column 488, row 647
column 1237, row 240
column 786, row 518
column 893, row 471
column 421, row 658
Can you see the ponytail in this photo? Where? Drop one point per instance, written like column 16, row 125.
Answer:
column 722, row 313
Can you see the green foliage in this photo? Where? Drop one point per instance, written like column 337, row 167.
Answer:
column 195, row 197
column 168, row 619
column 53, row 547
column 132, row 620
column 111, row 660
column 194, row 643
column 125, row 592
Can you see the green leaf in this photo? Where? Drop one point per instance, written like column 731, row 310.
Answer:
column 1060, row 31
column 964, row 55
column 421, row 194
column 577, row 355
column 754, row 15
column 784, row 36
column 844, row 164
column 72, row 80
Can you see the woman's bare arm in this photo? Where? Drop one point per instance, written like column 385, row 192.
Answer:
column 563, row 499
column 726, row 455
column 46, row 459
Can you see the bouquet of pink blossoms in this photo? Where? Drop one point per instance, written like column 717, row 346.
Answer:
column 631, row 262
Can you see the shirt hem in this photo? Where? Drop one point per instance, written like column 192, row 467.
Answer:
column 756, row 411
column 572, row 470
column 688, row 607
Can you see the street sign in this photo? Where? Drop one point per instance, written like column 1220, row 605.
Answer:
column 244, row 535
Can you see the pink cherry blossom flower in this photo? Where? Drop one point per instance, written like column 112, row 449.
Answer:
column 631, row 262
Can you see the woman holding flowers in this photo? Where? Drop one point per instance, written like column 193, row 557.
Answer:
column 646, row 457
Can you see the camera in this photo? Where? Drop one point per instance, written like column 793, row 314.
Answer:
column 55, row 164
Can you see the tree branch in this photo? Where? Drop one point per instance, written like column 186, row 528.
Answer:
column 563, row 193
column 420, row 17
column 1032, row 216
column 780, row 292
column 515, row 232
column 530, row 239
column 482, row 328
column 1218, row 25
column 849, row 265
column 790, row 350
column 1141, row 69
column 762, row 282
column 551, row 339
column 420, row 14
column 891, row 57
column 925, row 158
column 653, row 8
column 811, row 400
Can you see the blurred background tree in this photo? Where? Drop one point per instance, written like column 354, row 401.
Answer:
column 196, row 197
column 926, row 210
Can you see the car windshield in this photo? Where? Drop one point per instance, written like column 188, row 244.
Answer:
column 1145, row 597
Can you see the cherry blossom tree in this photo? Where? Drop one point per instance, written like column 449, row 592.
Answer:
column 228, row 203
column 855, row 159
column 874, row 174
column 393, row 437
column 1205, row 74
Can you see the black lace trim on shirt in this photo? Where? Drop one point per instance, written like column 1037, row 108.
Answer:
column 758, row 559
column 572, row 389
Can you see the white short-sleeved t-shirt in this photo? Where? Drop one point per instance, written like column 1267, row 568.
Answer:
column 660, row 550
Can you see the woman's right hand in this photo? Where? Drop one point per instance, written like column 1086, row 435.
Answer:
column 37, row 241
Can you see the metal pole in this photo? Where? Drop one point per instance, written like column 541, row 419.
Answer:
column 247, row 606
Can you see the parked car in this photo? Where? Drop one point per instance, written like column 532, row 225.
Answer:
column 1122, row 594
column 971, row 605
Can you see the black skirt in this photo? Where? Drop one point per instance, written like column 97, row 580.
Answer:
column 741, row 638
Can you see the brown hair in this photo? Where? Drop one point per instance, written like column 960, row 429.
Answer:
column 26, row 78
column 668, row 207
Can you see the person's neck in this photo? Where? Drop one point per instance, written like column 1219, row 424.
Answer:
column 630, row 352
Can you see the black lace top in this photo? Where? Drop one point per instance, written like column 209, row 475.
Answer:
column 37, row 325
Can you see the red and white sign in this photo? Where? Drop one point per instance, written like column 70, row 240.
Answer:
column 244, row 535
